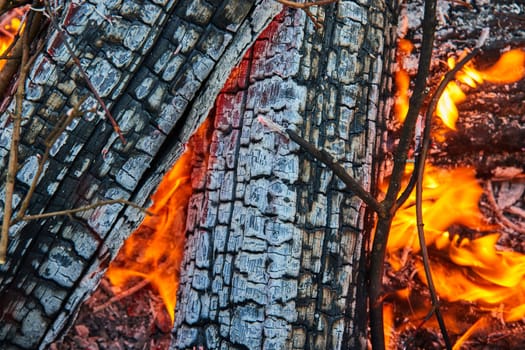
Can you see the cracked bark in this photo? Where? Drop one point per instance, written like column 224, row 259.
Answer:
column 274, row 256
column 275, row 253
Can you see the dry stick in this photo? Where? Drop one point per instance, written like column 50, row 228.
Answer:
column 305, row 6
column 419, row 172
column 71, row 52
column 428, row 121
column 15, row 53
column 122, row 295
column 50, row 141
column 13, row 153
column 515, row 211
column 325, row 158
column 81, row 209
column 377, row 256
column 499, row 213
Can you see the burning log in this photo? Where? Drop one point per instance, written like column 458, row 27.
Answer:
column 157, row 66
column 258, row 226
column 274, row 254
column 158, row 70
column 275, row 246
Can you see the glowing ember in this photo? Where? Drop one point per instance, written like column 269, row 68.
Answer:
column 402, row 80
column 9, row 25
column 508, row 69
column 473, row 270
column 155, row 250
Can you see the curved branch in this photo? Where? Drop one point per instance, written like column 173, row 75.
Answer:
column 377, row 256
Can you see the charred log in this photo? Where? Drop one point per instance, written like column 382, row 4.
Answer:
column 156, row 65
column 275, row 253
column 275, row 250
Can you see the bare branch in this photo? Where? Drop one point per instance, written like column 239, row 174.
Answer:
column 421, row 154
column 51, row 139
column 325, row 158
column 81, row 209
column 338, row 170
column 15, row 51
column 418, row 175
column 13, row 153
column 62, row 34
column 122, row 295
column 377, row 256
column 499, row 213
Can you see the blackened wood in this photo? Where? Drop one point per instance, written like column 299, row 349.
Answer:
column 275, row 248
column 158, row 65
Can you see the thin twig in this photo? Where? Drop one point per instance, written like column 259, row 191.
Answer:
column 419, row 172
column 417, row 179
column 377, row 256
column 499, row 213
column 12, row 65
column 305, row 6
column 81, row 209
column 421, row 153
column 516, row 211
column 13, row 153
column 339, row 171
column 424, row 254
column 122, row 295
column 50, row 141
column 325, row 158
column 76, row 60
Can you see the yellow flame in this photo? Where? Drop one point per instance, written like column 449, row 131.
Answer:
column 9, row 26
column 155, row 250
column 508, row 69
column 402, row 80
column 475, row 271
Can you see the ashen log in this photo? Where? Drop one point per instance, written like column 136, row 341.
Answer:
column 274, row 254
column 155, row 64
column 275, row 258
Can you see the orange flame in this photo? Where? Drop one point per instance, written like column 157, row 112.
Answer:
column 388, row 317
column 450, row 197
column 476, row 270
column 155, row 250
column 9, row 25
column 402, row 80
column 508, row 69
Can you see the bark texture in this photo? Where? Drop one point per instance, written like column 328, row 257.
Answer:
column 275, row 253
column 158, row 65
column 275, row 249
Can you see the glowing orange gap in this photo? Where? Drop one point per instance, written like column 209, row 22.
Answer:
column 155, row 250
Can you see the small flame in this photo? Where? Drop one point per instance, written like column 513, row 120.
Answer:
column 446, row 108
column 155, row 250
column 508, row 69
column 9, row 25
column 450, row 197
column 388, row 317
column 402, row 80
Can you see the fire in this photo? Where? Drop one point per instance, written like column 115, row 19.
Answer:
column 155, row 250
column 473, row 270
column 508, row 69
column 402, row 80
column 450, row 197
column 9, row 26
